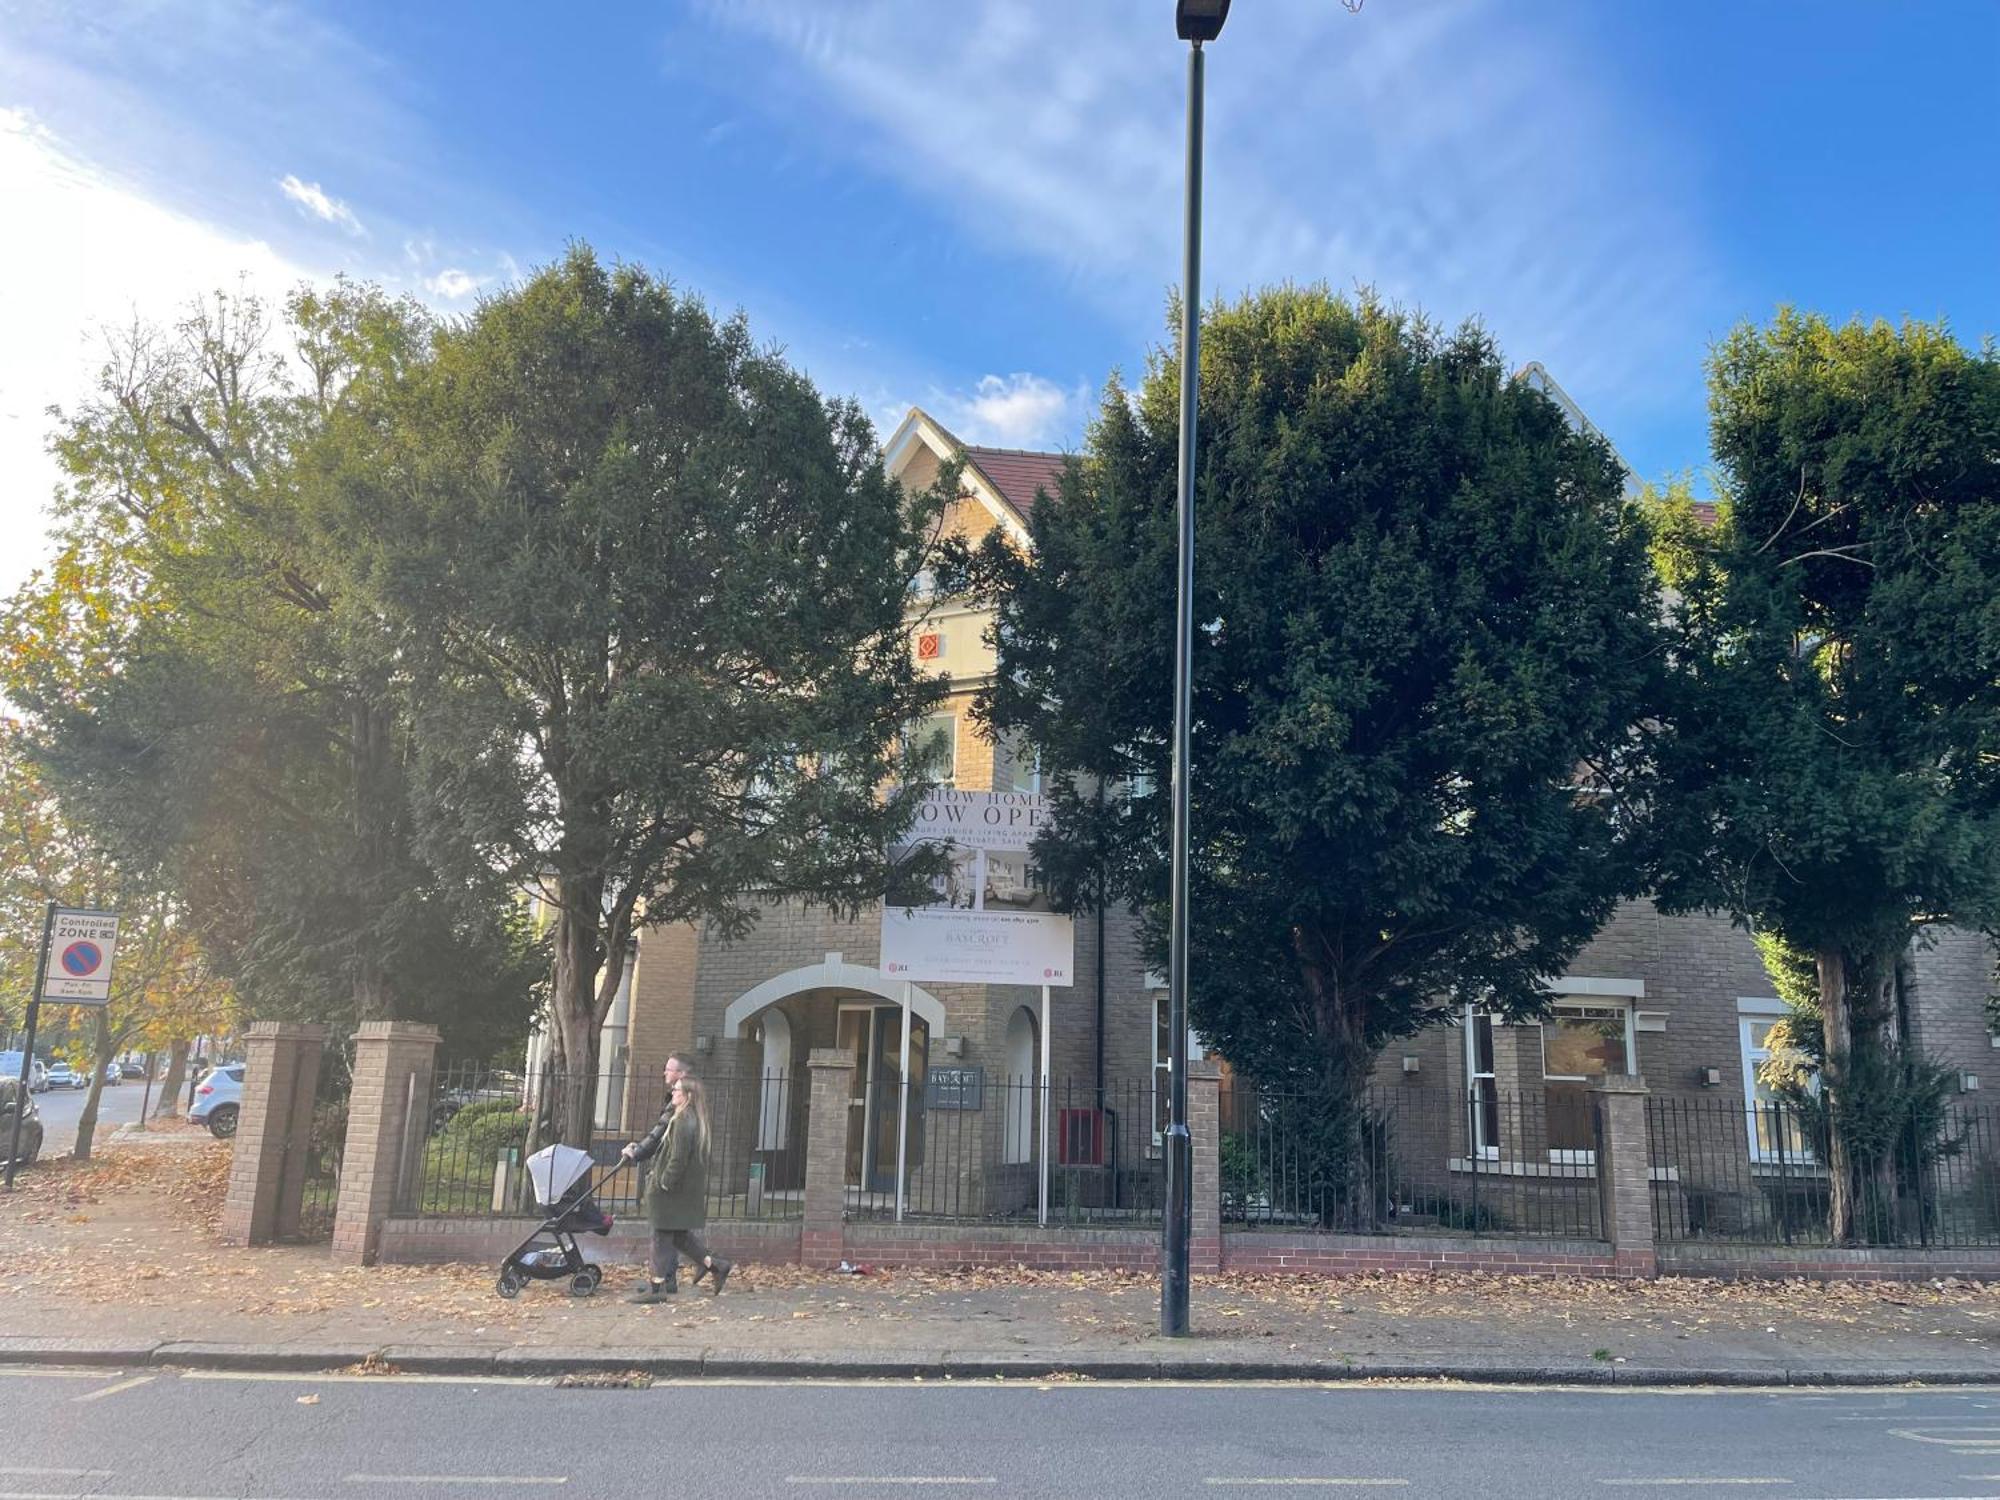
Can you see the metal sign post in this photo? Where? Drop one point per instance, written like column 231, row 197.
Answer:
column 1042, row 1214
column 903, row 1112
column 28, row 1047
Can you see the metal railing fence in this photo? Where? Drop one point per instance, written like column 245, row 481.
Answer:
column 1412, row 1160
column 1725, row 1169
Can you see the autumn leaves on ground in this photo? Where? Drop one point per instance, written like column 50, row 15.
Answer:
column 125, row 1246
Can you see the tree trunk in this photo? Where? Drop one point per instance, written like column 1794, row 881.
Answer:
column 578, row 1027
column 1349, row 1183
column 1836, row 1025
column 371, row 794
column 167, row 1105
column 86, row 1123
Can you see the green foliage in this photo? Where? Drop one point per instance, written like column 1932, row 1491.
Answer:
column 1423, row 605
column 194, row 683
column 1837, row 636
column 1827, row 765
column 645, row 592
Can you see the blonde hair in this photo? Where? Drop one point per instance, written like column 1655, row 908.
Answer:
column 696, row 1104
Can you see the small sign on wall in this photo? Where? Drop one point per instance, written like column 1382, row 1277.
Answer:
column 955, row 1088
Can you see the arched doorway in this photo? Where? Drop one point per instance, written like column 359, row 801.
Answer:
column 864, row 1009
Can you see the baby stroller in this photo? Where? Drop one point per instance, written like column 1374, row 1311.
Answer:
column 561, row 1178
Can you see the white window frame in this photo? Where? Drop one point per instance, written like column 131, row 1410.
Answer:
column 1482, row 1149
column 1761, row 1010
column 919, row 732
column 1566, row 1000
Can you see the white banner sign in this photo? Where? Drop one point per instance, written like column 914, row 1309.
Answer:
column 82, row 945
column 988, row 923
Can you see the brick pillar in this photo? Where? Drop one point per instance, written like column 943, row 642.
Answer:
column 267, row 1164
column 823, row 1234
column 388, row 1056
column 1205, row 1128
column 1624, row 1172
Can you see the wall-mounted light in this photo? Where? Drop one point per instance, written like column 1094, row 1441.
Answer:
column 1968, row 1083
column 1411, row 1063
column 1711, row 1078
column 954, row 1046
column 703, row 1042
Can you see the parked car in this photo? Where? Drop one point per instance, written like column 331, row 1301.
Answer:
column 31, row 1121
column 62, row 1076
column 218, row 1100
column 38, row 1071
column 113, row 1073
column 496, row 1086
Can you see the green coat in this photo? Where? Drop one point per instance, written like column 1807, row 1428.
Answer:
column 677, row 1188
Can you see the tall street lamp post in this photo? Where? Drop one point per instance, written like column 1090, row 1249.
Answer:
column 1195, row 22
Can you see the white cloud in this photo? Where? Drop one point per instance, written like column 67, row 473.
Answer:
column 1014, row 411
column 452, row 283
column 315, row 200
column 1445, row 154
column 98, row 253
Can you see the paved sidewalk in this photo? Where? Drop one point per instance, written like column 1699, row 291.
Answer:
column 117, row 1261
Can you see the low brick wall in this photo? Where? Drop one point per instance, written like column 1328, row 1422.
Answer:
column 1823, row 1263
column 945, row 1245
column 1333, row 1254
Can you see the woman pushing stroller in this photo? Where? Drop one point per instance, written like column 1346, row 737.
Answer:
column 676, row 1195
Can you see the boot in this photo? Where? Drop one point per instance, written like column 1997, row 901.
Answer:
column 653, row 1291
column 720, row 1269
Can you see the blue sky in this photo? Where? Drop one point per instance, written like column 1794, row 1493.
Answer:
column 973, row 205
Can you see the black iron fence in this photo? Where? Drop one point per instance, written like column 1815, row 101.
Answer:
column 1724, row 1169
column 480, row 1125
column 1413, row 1160
column 973, row 1149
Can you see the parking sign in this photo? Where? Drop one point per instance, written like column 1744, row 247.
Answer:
column 82, row 945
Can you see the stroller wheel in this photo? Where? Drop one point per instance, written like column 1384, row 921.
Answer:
column 586, row 1281
column 509, row 1284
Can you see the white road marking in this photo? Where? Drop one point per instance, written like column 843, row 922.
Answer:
column 1965, row 1442
column 61, row 1473
column 52, row 1372
column 112, row 1390
column 549, row 1479
column 890, row 1479
column 1305, row 1480
column 1693, row 1480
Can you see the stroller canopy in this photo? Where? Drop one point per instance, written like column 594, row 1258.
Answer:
column 554, row 1170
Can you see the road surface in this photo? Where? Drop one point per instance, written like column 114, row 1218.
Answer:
column 61, row 1108
column 104, row 1435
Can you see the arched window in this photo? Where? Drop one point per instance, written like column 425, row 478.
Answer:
column 774, row 1098
column 1018, row 1119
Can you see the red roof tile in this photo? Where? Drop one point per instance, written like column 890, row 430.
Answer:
column 1017, row 473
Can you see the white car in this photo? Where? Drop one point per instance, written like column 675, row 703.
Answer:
column 218, row 1100
column 38, row 1071
column 62, row 1076
column 113, row 1073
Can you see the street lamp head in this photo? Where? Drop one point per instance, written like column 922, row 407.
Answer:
column 1199, row 20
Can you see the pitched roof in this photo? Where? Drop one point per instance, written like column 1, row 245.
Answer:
column 1017, row 473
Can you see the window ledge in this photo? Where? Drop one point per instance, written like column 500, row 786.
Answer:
column 1565, row 1169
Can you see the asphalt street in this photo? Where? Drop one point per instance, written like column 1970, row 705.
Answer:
column 61, row 1108
column 174, row 1436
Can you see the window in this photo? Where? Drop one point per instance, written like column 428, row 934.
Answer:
column 933, row 740
column 1582, row 1041
column 1774, row 1131
column 1483, row 1091
column 1023, row 768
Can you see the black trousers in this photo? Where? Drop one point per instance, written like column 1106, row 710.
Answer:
column 669, row 1245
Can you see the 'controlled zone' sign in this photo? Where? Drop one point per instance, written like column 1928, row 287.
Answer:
column 82, row 945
